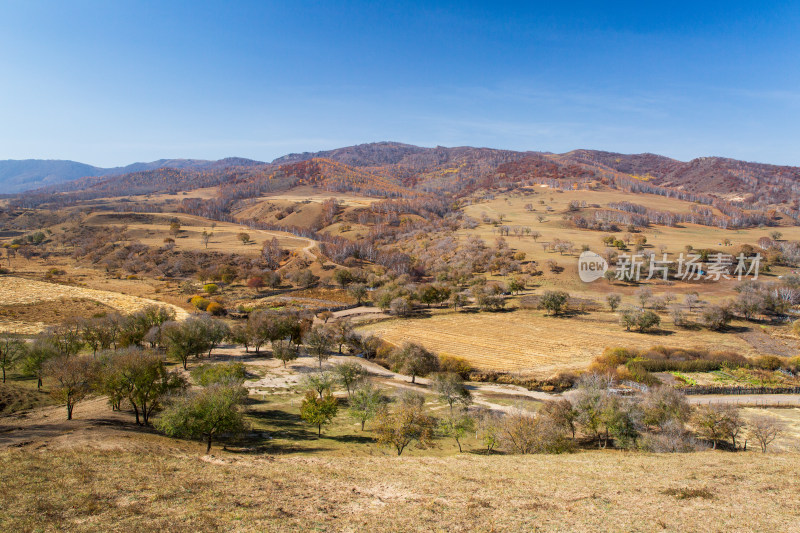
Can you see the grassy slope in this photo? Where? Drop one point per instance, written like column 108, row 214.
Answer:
column 19, row 395
column 603, row 491
column 674, row 238
column 224, row 239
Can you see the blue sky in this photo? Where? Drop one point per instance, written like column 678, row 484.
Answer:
column 110, row 83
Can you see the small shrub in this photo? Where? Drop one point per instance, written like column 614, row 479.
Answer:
column 716, row 317
column 555, row 302
column 688, row 494
column 256, row 282
column 223, row 374
column 769, row 362
column 456, row 365
column 187, row 287
column 215, row 308
column 210, row 288
column 638, row 373
column 648, row 320
column 200, row 303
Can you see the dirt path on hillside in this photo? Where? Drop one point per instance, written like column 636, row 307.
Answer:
column 361, row 312
column 278, row 377
column 307, row 250
column 481, row 392
column 770, row 344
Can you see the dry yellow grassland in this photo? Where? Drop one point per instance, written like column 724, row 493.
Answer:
column 528, row 341
column 20, row 291
column 177, row 490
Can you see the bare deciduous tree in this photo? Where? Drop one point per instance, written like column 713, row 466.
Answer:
column 71, row 378
column 414, row 360
column 765, row 429
column 451, row 389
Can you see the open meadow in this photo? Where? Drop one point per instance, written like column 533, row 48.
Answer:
column 153, row 229
column 528, row 341
column 118, row 490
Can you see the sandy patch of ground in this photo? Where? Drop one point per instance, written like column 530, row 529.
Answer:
column 311, row 194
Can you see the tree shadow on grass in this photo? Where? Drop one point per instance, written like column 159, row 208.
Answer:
column 284, row 425
column 570, row 313
column 735, row 329
column 655, row 332
column 501, row 311
column 280, row 425
column 351, row 439
column 311, row 368
column 249, row 447
column 482, row 451
column 248, row 357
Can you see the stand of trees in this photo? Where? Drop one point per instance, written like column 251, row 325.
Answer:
column 127, row 365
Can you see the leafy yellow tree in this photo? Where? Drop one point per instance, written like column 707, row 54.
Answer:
column 318, row 411
column 403, row 425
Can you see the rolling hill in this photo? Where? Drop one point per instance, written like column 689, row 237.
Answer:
column 25, row 174
column 424, row 168
column 390, row 170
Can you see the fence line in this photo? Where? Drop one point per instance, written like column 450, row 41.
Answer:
column 711, row 389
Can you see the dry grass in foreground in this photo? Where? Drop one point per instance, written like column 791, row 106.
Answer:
column 598, row 491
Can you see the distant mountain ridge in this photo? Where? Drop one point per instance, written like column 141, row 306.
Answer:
column 716, row 176
column 391, row 169
column 25, row 174
column 19, row 175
